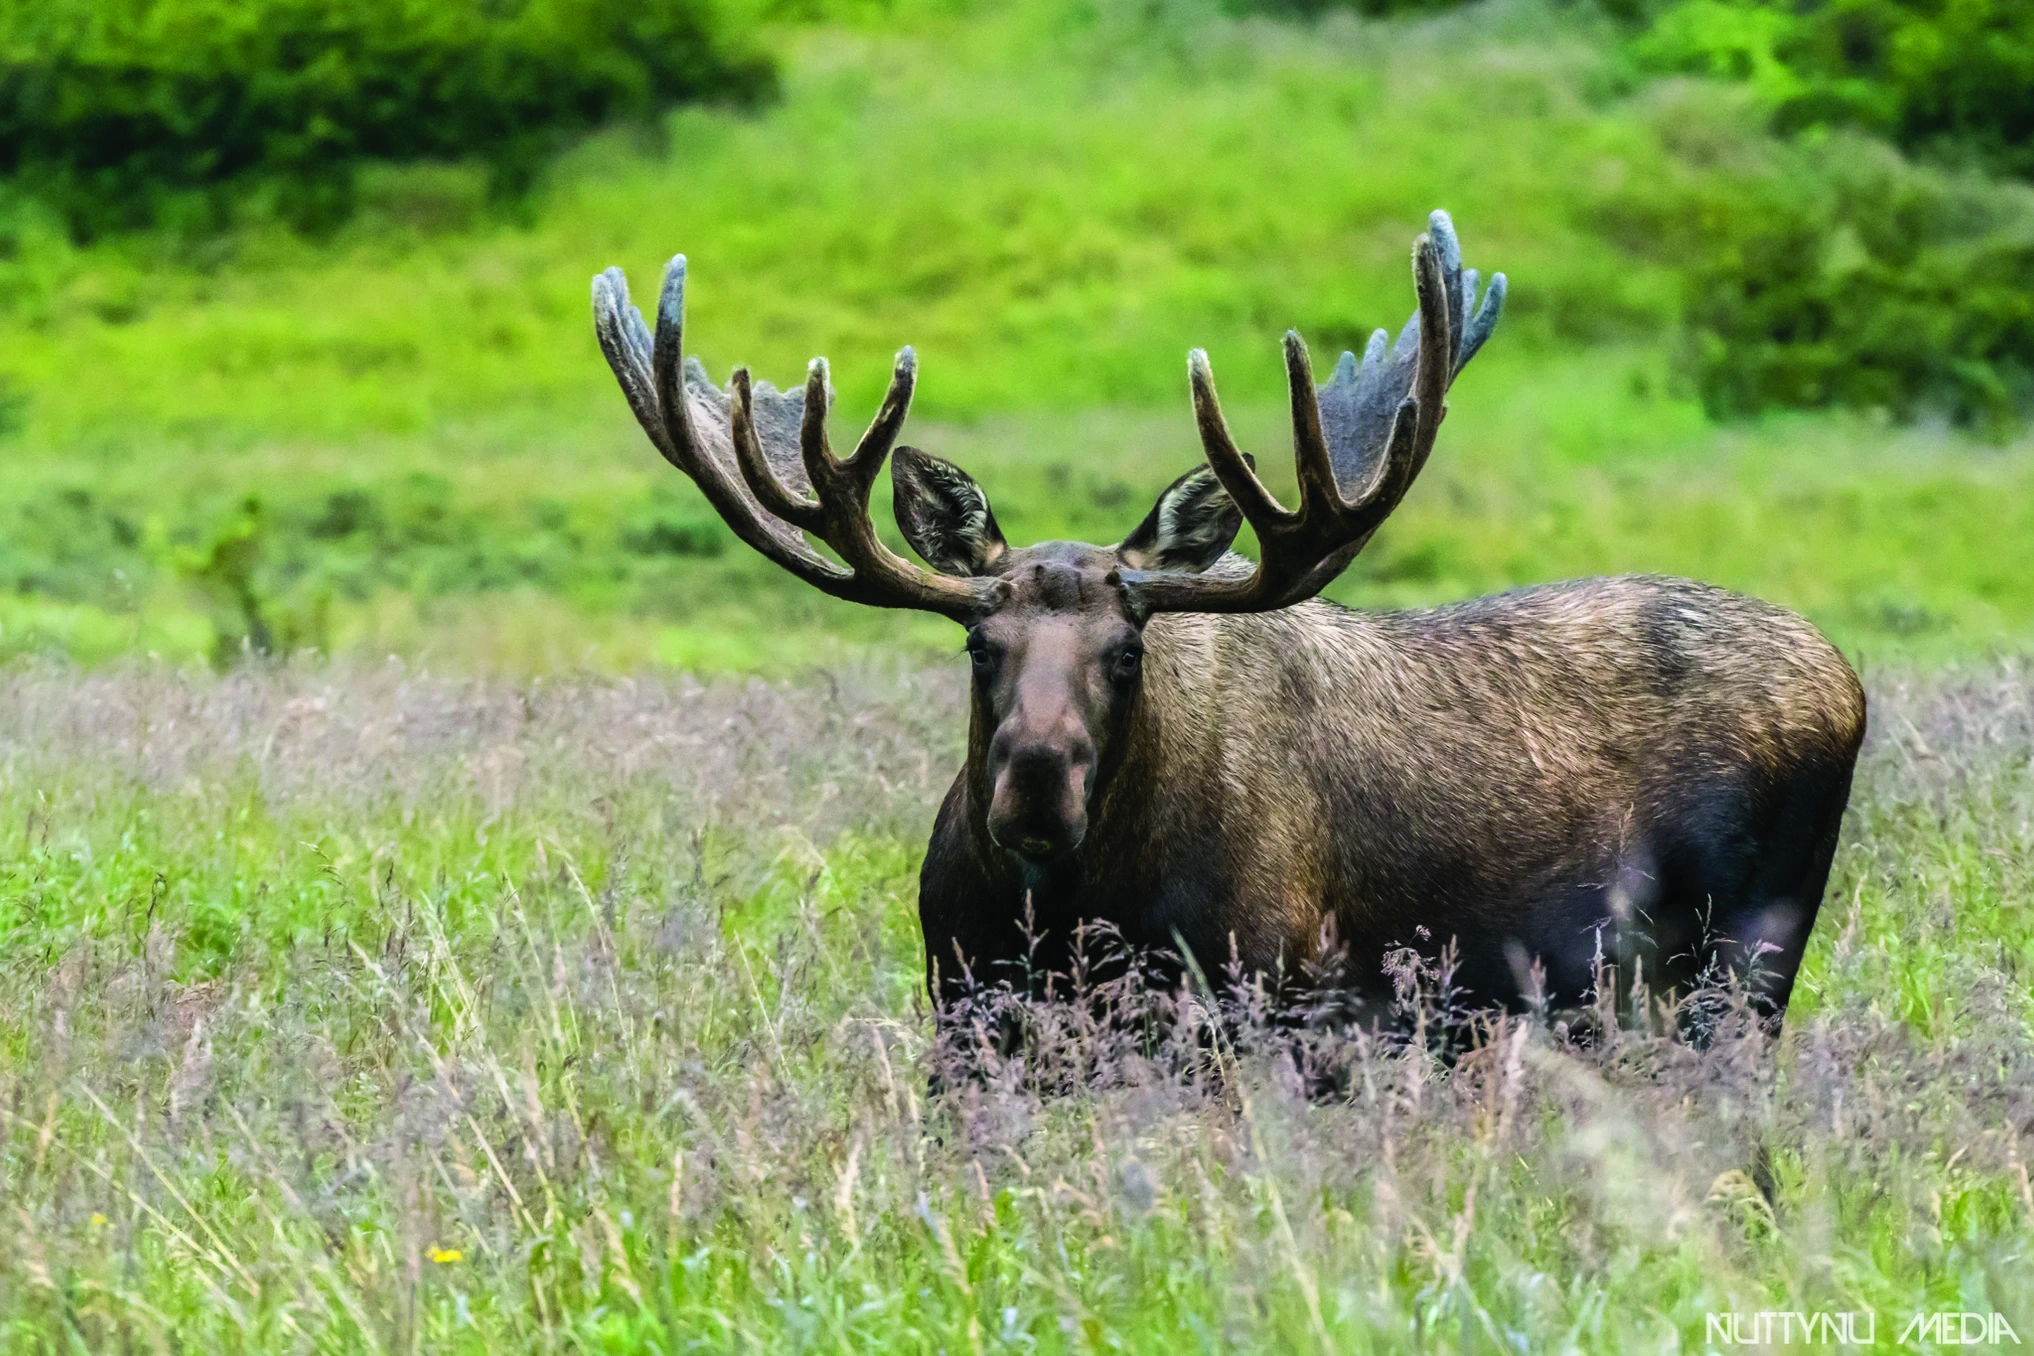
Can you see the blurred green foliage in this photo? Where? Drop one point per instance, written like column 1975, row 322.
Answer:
column 1053, row 201
column 1835, row 271
column 1951, row 80
column 266, row 572
column 125, row 113
column 1834, row 268
column 1052, row 221
column 1311, row 8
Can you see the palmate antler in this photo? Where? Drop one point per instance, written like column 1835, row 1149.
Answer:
column 1359, row 442
column 762, row 458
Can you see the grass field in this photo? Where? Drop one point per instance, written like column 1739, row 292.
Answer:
column 360, row 1010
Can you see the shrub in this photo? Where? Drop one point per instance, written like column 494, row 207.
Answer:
column 1950, row 79
column 124, row 113
column 1835, row 271
column 1311, row 8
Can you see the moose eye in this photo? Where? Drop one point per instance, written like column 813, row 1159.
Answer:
column 1129, row 662
column 981, row 656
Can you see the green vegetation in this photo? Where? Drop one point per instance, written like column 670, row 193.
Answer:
column 1830, row 270
column 1949, row 79
column 1836, row 272
column 177, row 112
column 1314, row 8
column 401, row 438
column 369, row 1012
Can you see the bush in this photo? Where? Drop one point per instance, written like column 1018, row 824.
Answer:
column 1949, row 79
column 1835, row 271
column 123, row 113
column 1311, row 8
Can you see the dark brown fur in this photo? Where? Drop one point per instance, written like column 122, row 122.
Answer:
column 1647, row 766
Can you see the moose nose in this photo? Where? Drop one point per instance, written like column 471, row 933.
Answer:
column 1040, row 802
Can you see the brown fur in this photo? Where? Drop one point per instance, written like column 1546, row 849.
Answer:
column 1639, row 760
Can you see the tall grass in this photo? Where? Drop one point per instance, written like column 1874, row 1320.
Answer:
column 369, row 1011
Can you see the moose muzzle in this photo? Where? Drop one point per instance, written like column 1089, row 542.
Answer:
column 1039, row 808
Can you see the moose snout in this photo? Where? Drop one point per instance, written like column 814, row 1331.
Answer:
column 1040, row 803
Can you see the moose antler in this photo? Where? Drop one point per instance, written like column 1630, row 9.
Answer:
column 762, row 458
column 1358, row 442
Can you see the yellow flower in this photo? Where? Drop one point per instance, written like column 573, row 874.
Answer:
column 98, row 1219
column 445, row 1256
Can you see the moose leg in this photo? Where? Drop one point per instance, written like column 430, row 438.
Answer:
column 1762, row 940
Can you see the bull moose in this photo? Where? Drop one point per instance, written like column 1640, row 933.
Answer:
column 1193, row 747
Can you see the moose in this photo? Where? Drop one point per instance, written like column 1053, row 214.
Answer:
column 1195, row 749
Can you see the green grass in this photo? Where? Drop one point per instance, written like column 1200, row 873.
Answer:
column 1053, row 204
column 1898, row 542
column 363, row 1011
column 1053, row 217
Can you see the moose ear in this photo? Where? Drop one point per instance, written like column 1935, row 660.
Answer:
column 944, row 514
column 1188, row 529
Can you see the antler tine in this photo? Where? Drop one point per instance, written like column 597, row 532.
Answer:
column 668, row 368
column 1396, row 471
column 881, row 436
column 762, row 480
column 1259, row 508
column 813, row 448
column 625, row 342
column 1441, row 239
column 1437, row 342
column 1479, row 326
column 1318, row 491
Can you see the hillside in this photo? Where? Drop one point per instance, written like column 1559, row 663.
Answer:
column 401, row 437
